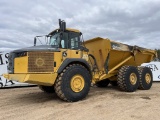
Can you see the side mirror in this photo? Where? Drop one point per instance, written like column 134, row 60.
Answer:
column 35, row 40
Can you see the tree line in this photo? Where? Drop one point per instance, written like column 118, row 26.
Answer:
column 158, row 53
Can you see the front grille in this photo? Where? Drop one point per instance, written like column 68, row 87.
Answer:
column 40, row 62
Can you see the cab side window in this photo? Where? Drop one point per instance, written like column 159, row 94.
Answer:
column 74, row 40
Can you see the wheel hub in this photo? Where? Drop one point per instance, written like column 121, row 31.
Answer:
column 77, row 83
column 148, row 78
column 133, row 78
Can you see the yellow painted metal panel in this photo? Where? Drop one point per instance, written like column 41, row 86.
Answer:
column 21, row 64
column 58, row 60
column 40, row 79
column 72, row 53
column 15, row 77
column 114, row 55
column 99, row 48
column 75, row 53
column 59, row 57
column 69, row 29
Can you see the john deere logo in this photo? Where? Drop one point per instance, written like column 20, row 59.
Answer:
column 64, row 54
column 39, row 62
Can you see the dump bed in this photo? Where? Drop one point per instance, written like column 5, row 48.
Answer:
column 111, row 55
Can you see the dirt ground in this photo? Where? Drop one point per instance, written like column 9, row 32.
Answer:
column 30, row 103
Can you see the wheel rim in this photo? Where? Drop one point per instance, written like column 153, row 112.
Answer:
column 77, row 83
column 148, row 78
column 133, row 78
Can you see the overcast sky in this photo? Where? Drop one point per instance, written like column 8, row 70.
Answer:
column 134, row 22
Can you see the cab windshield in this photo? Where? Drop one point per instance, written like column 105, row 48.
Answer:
column 69, row 40
column 55, row 39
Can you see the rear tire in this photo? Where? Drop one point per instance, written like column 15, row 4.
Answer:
column 47, row 89
column 103, row 83
column 73, row 84
column 128, row 78
column 146, row 78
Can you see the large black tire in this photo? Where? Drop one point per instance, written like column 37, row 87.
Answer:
column 103, row 83
column 128, row 78
column 146, row 78
column 113, row 83
column 47, row 89
column 73, row 84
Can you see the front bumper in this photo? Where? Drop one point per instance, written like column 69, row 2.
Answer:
column 39, row 79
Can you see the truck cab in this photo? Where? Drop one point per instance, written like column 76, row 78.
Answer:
column 63, row 47
column 68, row 39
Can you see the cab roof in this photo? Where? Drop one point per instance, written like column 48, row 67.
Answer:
column 67, row 29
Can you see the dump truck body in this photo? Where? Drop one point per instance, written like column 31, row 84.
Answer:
column 111, row 56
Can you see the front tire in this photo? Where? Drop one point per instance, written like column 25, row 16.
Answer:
column 73, row 84
column 128, row 78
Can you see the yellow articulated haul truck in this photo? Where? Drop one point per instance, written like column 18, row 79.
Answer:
column 67, row 65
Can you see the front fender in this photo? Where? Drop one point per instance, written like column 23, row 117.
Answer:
column 68, row 61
